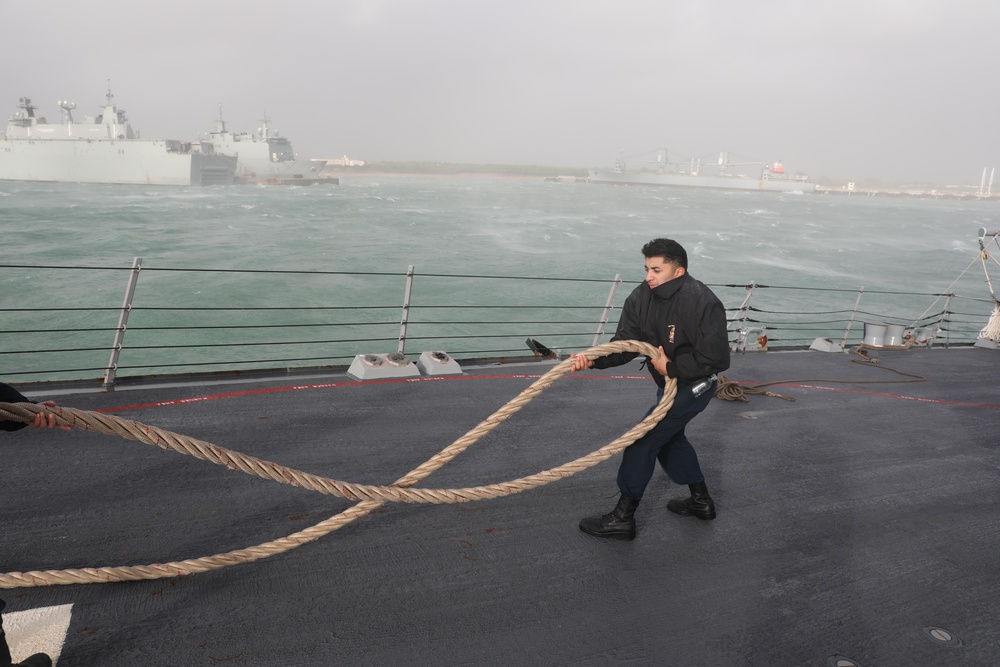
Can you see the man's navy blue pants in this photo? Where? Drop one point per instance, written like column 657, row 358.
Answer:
column 665, row 443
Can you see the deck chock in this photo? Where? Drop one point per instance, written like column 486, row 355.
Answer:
column 753, row 339
column 382, row 366
column 987, row 343
column 436, row 362
column 825, row 345
column 540, row 350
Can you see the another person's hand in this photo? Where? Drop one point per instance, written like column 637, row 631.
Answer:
column 581, row 362
column 47, row 420
column 660, row 362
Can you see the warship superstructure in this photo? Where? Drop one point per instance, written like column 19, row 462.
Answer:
column 266, row 157
column 692, row 173
column 103, row 149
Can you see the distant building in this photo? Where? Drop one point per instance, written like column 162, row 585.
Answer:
column 340, row 162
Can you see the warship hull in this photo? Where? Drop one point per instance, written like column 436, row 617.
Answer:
column 265, row 158
column 102, row 149
column 679, row 180
column 121, row 162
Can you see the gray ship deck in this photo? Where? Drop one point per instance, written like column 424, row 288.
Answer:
column 851, row 522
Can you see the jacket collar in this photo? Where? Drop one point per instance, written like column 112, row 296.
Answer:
column 668, row 289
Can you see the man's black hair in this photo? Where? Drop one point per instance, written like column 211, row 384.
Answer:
column 671, row 251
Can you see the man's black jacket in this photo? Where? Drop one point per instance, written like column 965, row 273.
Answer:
column 686, row 318
column 10, row 395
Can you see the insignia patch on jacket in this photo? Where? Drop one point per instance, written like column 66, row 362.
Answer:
column 672, row 330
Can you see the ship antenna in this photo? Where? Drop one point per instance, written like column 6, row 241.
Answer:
column 110, row 96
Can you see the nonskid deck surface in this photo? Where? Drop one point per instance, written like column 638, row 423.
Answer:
column 852, row 522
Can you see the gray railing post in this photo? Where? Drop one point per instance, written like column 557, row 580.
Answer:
column 607, row 309
column 406, row 309
column 946, row 318
column 741, row 331
column 850, row 322
column 116, row 348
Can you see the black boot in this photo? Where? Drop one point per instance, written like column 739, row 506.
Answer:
column 37, row 660
column 618, row 523
column 700, row 504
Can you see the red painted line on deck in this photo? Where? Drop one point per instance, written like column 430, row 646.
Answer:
column 903, row 397
column 513, row 376
column 355, row 383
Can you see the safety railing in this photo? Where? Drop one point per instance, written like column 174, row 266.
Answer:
column 192, row 320
column 796, row 316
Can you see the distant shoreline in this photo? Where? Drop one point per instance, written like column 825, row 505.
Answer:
column 568, row 174
column 449, row 169
column 480, row 175
column 821, row 190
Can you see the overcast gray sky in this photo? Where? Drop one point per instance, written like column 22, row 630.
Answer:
column 891, row 89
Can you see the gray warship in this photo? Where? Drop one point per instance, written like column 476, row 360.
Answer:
column 103, row 149
column 265, row 157
column 692, row 173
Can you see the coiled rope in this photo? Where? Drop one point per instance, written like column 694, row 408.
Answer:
column 730, row 390
column 371, row 497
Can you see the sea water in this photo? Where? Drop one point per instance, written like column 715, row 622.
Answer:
column 504, row 225
column 464, row 226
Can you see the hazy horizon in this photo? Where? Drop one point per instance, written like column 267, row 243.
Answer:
column 888, row 90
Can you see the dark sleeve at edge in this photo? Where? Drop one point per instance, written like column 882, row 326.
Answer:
column 10, row 395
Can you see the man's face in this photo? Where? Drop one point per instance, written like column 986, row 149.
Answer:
column 659, row 271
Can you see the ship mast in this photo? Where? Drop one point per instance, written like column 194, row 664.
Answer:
column 220, row 125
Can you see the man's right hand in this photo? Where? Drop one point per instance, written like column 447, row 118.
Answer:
column 581, row 362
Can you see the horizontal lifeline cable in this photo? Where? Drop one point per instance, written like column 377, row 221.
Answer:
column 198, row 327
column 304, row 272
column 234, row 362
column 827, row 289
column 371, row 496
column 276, row 343
column 459, row 306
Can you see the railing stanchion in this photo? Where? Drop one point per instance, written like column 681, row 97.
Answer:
column 945, row 318
column 741, row 331
column 607, row 309
column 116, row 348
column 406, row 309
column 850, row 322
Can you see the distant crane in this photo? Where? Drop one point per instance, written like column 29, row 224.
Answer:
column 986, row 190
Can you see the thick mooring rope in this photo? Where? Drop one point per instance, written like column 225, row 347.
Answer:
column 371, row 496
column 730, row 390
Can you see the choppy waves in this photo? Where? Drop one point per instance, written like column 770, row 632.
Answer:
column 502, row 226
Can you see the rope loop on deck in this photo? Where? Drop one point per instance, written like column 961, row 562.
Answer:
column 371, row 496
column 730, row 390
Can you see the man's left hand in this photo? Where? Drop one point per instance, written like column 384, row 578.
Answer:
column 48, row 419
column 660, row 362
